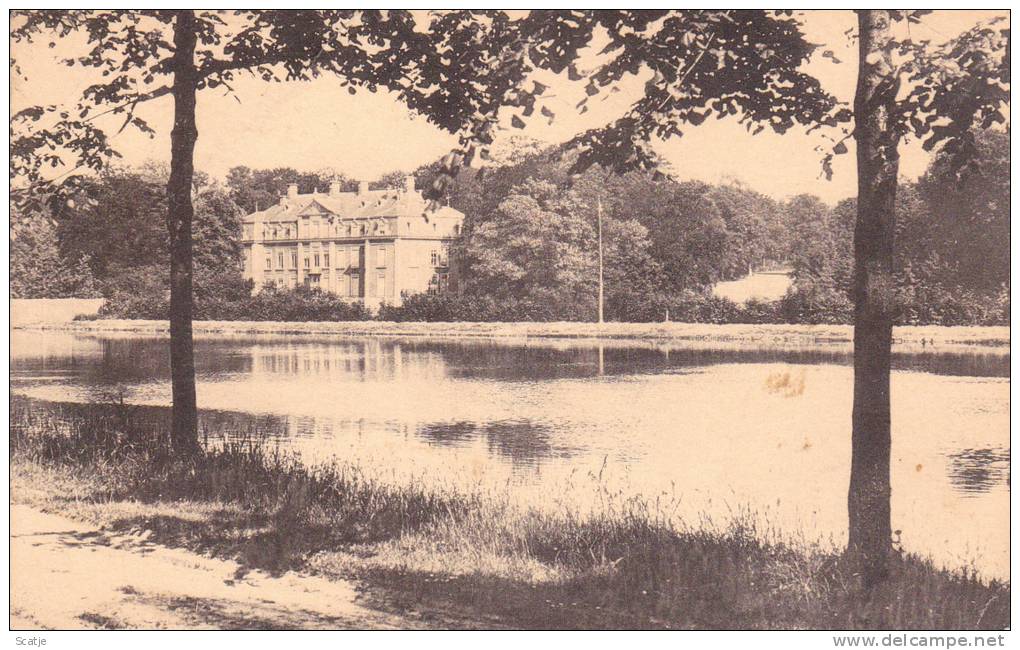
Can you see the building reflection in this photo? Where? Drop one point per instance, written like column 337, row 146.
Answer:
column 362, row 360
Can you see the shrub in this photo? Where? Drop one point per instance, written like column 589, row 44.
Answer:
column 232, row 300
column 815, row 305
column 300, row 304
column 475, row 308
column 940, row 305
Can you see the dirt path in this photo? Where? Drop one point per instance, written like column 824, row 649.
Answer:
column 66, row 574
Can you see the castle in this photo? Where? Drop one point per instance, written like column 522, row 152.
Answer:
column 371, row 246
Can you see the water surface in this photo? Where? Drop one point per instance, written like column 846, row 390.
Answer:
column 709, row 430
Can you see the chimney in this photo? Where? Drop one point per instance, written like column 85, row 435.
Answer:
column 334, row 187
column 362, row 187
column 292, row 191
column 409, row 184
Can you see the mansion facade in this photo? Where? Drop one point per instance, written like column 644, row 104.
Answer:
column 369, row 246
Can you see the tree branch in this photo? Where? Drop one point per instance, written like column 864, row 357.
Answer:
column 144, row 97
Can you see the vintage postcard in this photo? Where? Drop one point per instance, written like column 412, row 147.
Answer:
column 511, row 319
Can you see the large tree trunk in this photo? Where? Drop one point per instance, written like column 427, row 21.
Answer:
column 180, row 211
column 870, row 540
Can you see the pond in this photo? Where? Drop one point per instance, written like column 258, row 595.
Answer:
column 710, row 430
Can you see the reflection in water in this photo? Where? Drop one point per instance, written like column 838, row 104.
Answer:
column 975, row 471
column 123, row 360
column 721, row 426
column 522, row 442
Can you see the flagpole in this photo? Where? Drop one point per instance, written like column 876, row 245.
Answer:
column 601, row 287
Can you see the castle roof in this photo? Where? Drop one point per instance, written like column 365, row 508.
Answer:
column 350, row 205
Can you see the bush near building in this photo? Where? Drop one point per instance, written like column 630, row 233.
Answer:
column 269, row 304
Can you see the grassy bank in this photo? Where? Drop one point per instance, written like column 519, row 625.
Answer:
column 941, row 338
column 464, row 560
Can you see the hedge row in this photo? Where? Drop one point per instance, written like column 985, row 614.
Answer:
column 808, row 307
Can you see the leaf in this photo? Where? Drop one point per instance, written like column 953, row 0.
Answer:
column 839, row 149
column 517, row 122
column 548, row 113
column 539, row 88
column 829, row 54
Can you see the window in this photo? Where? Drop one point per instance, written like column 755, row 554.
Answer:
column 286, row 232
column 293, row 260
column 380, row 257
column 279, row 258
column 355, row 284
column 364, row 229
column 308, row 262
column 380, row 284
column 325, row 260
column 435, row 258
column 269, row 261
column 444, row 282
column 317, row 265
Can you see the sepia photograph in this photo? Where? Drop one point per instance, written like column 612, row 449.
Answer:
column 507, row 319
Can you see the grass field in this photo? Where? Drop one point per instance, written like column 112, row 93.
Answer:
column 467, row 559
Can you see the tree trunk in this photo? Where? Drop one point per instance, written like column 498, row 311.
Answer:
column 184, row 434
column 870, row 541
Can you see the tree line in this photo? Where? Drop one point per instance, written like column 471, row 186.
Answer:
column 529, row 248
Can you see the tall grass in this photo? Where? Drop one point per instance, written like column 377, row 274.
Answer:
column 629, row 563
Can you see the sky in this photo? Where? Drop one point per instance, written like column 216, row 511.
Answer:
column 317, row 124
